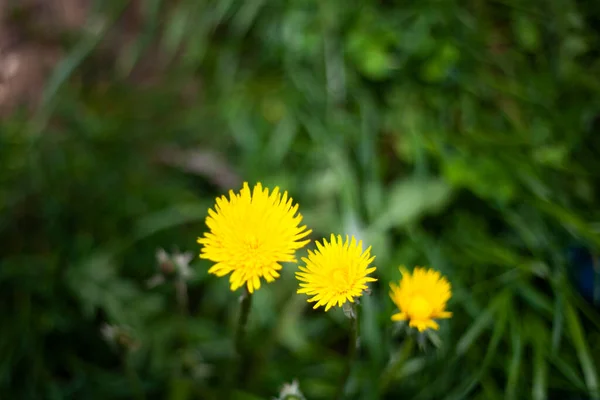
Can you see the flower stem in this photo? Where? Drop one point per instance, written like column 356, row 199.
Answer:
column 396, row 364
column 133, row 378
column 238, row 363
column 240, row 332
column 182, row 295
column 352, row 347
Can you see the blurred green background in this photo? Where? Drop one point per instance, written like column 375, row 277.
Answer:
column 462, row 135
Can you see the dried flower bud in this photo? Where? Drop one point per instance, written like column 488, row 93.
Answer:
column 349, row 310
column 167, row 267
column 291, row 391
column 119, row 337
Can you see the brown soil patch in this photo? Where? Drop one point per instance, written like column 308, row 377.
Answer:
column 30, row 46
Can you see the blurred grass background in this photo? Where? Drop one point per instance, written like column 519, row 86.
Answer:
column 461, row 135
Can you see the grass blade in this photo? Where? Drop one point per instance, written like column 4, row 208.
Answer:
column 498, row 309
column 583, row 354
column 480, row 325
column 539, row 338
column 568, row 371
column 539, row 389
column 514, row 368
column 558, row 322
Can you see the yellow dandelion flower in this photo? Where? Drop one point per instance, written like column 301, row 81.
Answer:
column 251, row 233
column 421, row 297
column 336, row 272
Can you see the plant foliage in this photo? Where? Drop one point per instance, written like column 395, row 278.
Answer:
column 457, row 134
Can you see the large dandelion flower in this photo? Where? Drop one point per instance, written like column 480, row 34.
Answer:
column 421, row 297
column 251, row 233
column 336, row 272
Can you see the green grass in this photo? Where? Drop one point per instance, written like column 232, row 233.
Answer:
column 458, row 135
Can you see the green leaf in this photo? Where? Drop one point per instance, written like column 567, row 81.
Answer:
column 180, row 389
column 168, row 218
column 411, row 367
column 438, row 67
column 526, row 31
column 501, row 307
column 539, row 387
column 370, row 328
column 536, row 298
column 239, row 395
column 583, row 353
column 410, row 199
column 558, row 321
column 246, row 15
column 514, row 367
column 570, row 220
column 283, row 137
column 483, row 322
column 568, row 371
column 176, row 28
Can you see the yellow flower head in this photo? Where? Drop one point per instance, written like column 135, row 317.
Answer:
column 336, row 272
column 421, row 298
column 250, row 234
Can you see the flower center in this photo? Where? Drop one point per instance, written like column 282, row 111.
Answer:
column 419, row 308
column 254, row 254
column 340, row 278
column 252, row 242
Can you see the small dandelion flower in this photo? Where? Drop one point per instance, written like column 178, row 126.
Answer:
column 421, row 297
column 336, row 272
column 251, row 233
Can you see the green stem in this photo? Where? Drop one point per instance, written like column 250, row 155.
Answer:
column 240, row 332
column 238, row 366
column 182, row 296
column 392, row 369
column 133, row 378
column 352, row 347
